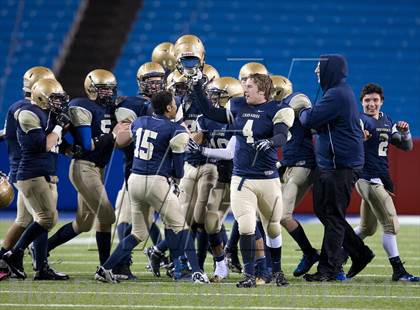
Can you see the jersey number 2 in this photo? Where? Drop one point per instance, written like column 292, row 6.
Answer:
column 383, row 145
column 144, row 148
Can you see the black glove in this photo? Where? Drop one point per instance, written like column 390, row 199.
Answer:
column 77, row 151
column 62, row 120
column 174, row 187
column 193, row 147
column 262, row 145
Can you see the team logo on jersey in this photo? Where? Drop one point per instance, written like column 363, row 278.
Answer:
column 268, row 172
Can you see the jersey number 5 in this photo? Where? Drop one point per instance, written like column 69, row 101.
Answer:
column 144, row 148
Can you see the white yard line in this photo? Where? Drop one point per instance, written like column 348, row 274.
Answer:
column 402, row 297
column 137, row 306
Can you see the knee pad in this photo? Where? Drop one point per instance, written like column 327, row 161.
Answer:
column 393, row 227
column 48, row 219
column 212, row 222
column 246, row 225
column 84, row 225
column 273, row 230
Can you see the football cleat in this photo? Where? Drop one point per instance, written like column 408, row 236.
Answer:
column 155, row 260
column 400, row 274
column 199, row 277
column 248, row 282
column 280, row 279
column 306, row 264
column 221, row 272
column 233, row 260
column 360, row 264
column 15, row 263
column 105, row 275
column 47, row 273
column 181, row 269
column 123, row 272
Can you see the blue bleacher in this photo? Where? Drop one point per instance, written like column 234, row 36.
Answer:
column 32, row 33
column 381, row 41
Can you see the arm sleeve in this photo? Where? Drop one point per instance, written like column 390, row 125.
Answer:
column 178, row 162
column 84, row 135
column 404, row 143
column 324, row 111
column 225, row 154
column 281, row 131
column 216, row 114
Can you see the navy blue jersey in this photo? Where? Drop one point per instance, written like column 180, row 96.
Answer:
column 157, row 140
column 13, row 147
column 376, row 147
column 253, row 123
column 34, row 124
column 100, row 120
column 128, row 110
column 217, row 136
column 190, row 113
column 299, row 150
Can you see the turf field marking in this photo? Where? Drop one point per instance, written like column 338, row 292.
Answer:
column 211, row 294
column 137, row 306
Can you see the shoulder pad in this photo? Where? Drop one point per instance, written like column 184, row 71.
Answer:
column 28, row 120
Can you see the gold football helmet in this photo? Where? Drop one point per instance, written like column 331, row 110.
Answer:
column 164, row 54
column 220, row 90
column 34, row 74
column 6, row 191
column 48, row 94
column 189, row 58
column 101, row 86
column 251, row 68
column 210, row 72
column 192, row 39
column 177, row 83
column 282, row 87
column 150, row 78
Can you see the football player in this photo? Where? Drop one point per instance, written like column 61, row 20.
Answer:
column 39, row 130
column 93, row 120
column 219, row 91
column 296, row 171
column 260, row 126
column 23, row 216
column 158, row 156
column 375, row 185
column 150, row 77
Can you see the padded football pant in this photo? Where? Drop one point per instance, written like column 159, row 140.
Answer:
column 24, row 211
column 296, row 182
column 153, row 192
column 249, row 196
column 377, row 205
column 217, row 207
column 123, row 202
column 92, row 199
column 41, row 196
column 195, row 189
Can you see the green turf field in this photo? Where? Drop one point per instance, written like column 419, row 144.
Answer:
column 371, row 289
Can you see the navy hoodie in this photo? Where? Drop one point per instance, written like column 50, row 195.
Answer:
column 335, row 117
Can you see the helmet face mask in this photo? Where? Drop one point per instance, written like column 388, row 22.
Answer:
column 218, row 97
column 101, row 87
column 221, row 90
column 58, row 102
column 152, row 84
column 189, row 65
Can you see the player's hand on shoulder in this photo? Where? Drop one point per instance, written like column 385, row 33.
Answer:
column 366, row 135
column 193, row 147
column 63, row 120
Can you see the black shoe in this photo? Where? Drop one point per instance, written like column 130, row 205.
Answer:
column 248, row 281
column 319, row 277
column 123, row 272
column 15, row 263
column 306, row 264
column 155, row 260
column 400, row 274
column 280, row 278
column 360, row 264
column 233, row 260
column 47, row 273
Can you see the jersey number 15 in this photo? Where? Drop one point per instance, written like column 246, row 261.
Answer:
column 144, row 147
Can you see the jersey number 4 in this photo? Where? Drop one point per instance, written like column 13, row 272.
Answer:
column 247, row 131
column 144, row 147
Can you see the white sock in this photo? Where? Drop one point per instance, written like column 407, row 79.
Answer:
column 274, row 243
column 389, row 242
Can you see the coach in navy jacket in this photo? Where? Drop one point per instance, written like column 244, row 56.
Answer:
column 340, row 157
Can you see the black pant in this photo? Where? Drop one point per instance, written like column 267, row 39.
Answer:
column 331, row 197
